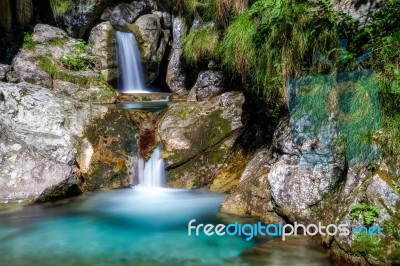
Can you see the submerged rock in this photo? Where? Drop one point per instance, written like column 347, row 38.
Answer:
column 50, row 136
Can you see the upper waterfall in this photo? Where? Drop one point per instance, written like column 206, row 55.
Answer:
column 131, row 72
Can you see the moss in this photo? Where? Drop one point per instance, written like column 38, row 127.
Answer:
column 58, row 41
column 107, row 92
column 218, row 128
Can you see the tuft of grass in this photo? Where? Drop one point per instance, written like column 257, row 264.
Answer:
column 60, row 7
column 28, row 42
column 200, row 45
column 271, row 40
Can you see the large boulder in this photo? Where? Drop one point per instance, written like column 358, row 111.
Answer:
column 41, row 64
column 53, row 137
column 199, row 137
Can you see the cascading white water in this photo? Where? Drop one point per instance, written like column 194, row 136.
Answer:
column 152, row 172
column 132, row 78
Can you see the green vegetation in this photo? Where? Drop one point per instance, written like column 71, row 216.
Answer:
column 57, row 41
column 368, row 213
column 200, row 44
column 76, row 60
column 258, row 43
column 365, row 245
column 48, row 66
column 28, row 42
column 60, row 7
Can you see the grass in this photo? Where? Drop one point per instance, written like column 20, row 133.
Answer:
column 273, row 38
column 200, row 45
column 60, row 7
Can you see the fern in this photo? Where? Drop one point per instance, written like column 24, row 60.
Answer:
column 368, row 213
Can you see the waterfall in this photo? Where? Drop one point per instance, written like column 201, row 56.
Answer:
column 132, row 78
column 152, row 173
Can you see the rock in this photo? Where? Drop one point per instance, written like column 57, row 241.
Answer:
column 253, row 194
column 52, row 137
column 102, row 46
column 360, row 12
column 42, row 66
column 3, row 71
column 152, row 41
column 176, row 76
column 198, row 138
column 124, row 14
column 165, row 18
column 80, row 16
column 208, row 84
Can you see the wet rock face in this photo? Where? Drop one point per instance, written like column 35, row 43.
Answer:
column 48, row 135
column 41, row 65
column 198, row 138
column 152, row 41
column 102, row 47
column 80, row 16
column 176, row 75
column 208, row 84
column 124, row 14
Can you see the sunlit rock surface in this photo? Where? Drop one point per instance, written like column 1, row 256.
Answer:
column 53, row 146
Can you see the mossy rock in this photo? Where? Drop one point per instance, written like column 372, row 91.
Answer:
column 113, row 140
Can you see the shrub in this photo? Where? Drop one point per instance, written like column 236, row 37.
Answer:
column 77, row 59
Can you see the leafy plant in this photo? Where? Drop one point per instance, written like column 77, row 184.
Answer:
column 368, row 213
column 77, row 59
column 28, row 41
